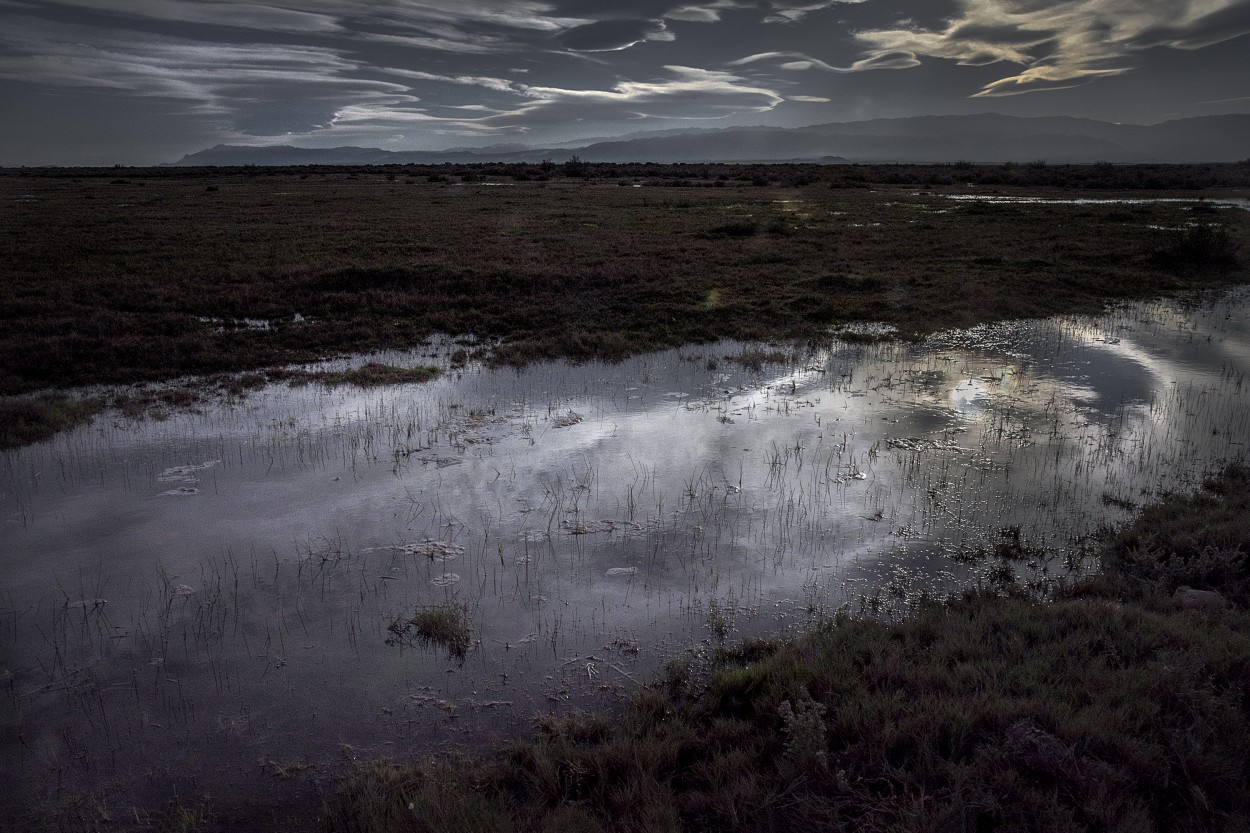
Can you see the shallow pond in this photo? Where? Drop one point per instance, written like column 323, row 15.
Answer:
column 204, row 603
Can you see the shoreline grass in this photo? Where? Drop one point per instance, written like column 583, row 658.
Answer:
column 26, row 420
column 1110, row 706
column 369, row 374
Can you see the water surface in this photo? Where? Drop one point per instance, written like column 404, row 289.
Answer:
column 203, row 603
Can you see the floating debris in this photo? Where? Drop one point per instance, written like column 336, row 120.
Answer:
column 434, row 550
column 184, row 474
column 441, row 462
column 445, row 580
column 621, row 571
column 566, row 421
column 182, row 491
column 919, row 444
column 587, row 527
column 625, row 645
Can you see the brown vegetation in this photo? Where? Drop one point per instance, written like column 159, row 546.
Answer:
column 165, row 273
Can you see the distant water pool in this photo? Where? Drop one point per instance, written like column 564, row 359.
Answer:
column 1217, row 202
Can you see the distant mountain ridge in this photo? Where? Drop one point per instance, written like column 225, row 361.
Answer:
column 987, row 138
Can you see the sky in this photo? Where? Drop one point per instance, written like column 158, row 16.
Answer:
column 138, row 82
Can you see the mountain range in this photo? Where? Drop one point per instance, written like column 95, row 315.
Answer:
column 988, row 138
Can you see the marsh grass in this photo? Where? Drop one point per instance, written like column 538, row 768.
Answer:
column 370, row 374
column 28, row 420
column 163, row 279
column 1105, row 708
column 444, row 626
column 1200, row 540
column 755, row 358
column 1201, row 247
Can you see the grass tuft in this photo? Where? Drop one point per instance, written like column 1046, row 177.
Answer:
column 446, row 626
column 29, row 420
column 373, row 374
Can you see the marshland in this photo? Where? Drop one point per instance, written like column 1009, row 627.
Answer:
column 723, row 498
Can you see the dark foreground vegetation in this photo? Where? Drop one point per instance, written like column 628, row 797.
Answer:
column 1119, row 704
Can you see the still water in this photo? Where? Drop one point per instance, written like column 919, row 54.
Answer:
column 202, row 603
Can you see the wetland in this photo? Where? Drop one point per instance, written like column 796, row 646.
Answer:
column 449, row 457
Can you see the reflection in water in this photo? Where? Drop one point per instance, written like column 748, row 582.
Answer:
column 1217, row 202
column 194, row 596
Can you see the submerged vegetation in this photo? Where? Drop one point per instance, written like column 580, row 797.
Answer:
column 1115, row 705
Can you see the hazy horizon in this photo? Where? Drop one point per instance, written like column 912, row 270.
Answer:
column 98, row 82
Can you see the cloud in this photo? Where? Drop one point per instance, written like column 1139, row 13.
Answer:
column 323, row 15
column 689, row 93
column 686, row 93
column 1040, row 78
column 260, row 16
column 476, row 27
column 799, row 62
column 222, row 79
column 694, row 14
column 610, row 35
column 1057, row 44
column 793, row 12
column 486, row 81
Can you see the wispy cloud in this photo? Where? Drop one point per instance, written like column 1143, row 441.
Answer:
column 689, row 93
column 799, row 62
column 793, row 12
column 258, row 16
column 323, row 15
column 686, row 93
column 209, row 74
column 1059, row 44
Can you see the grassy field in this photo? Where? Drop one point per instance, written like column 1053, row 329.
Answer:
column 1109, row 707
column 150, row 276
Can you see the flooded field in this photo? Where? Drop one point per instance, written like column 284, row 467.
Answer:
column 219, row 599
